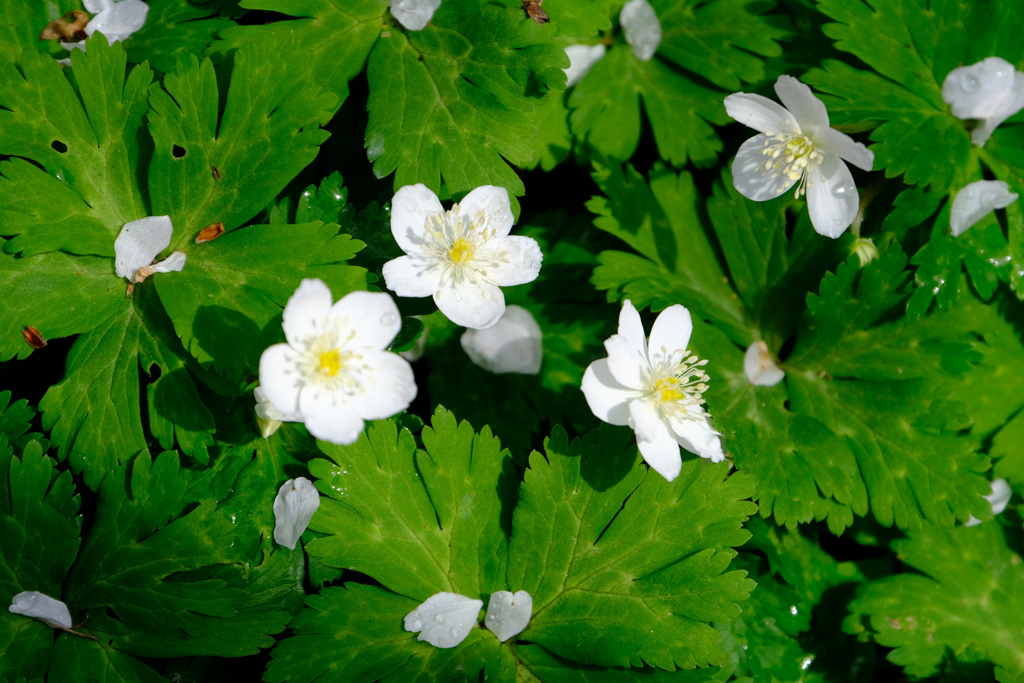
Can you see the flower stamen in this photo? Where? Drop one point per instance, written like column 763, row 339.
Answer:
column 330, row 362
column 789, row 159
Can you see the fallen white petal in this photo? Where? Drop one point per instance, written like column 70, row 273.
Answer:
column 642, row 28
column 759, row 367
column 119, row 21
column 139, row 242
column 294, row 506
column 445, row 619
column 508, row 614
column 990, row 90
column 38, row 606
column 513, row 344
column 976, row 200
column 998, row 499
column 97, row 6
column 172, row 264
column 581, row 59
column 414, row 15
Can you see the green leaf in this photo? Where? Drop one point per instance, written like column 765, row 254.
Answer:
column 624, row 567
column 418, row 521
column 174, row 28
column 456, row 100
column 225, row 307
column 912, row 46
column 15, row 420
column 377, row 648
column 36, row 503
column 968, row 594
column 546, row 667
column 87, row 138
column 677, row 261
column 22, row 22
column 267, row 133
column 74, row 655
column 335, row 38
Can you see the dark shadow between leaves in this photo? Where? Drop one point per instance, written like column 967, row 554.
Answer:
column 234, row 340
column 609, row 453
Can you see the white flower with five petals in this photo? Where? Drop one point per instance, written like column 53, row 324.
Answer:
column 460, row 256
column 656, row 388
column 797, row 147
column 333, row 372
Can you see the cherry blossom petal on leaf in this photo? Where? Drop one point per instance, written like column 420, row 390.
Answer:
column 294, row 506
column 444, row 619
column 508, row 614
column 977, row 200
column 38, row 606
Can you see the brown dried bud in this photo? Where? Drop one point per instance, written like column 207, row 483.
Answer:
column 130, row 290
column 210, row 232
column 69, row 27
column 534, row 11
column 32, row 336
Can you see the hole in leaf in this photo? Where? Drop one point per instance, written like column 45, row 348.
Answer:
column 178, row 151
column 59, row 146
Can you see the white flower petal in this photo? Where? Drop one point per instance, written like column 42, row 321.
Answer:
column 80, row 45
column 492, row 201
column 508, row 614
column 697, row 436
column 279, row 381
column 631, row 328
column 521, row 258
column 608, row 399
column 581, row 59
column 306, row 312
column 97, row 6
column 173, row 263
column 139, row 242
column 476, row 305
column 645, row 420
column 626, row 363
column 445, row 619
column 372, row 317
column 331, row 415
column 643, row 30
column 832, row 198
column 844, row 147
column 977, row 200
column 670, row 335
column 661, row 449
column 749, row 174
column 978, row 91
column 797, row 98
column 119, row 21
column 414, row 15
column 1000, row 496
column 410, row 208
column 392, row 389
column 411, row 276
column 759, row 367
column 294, row 506
column 760, row 113
column 38, row 606
column 267, row 411
column 513, row 344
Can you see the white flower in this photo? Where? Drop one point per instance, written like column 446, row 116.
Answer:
column 797, row 147
column 643, row 30
column 333, row 372
column 138, row 244
column 414, row 15
column 655, row 389
column 990, row 91
column 759, row 367
column 460, row 256
column 513, row 344
column 976, row 201
column 445, row 619
column 581, row 59
column 294, row 506
column 508, row 614
column 998, row 499
column 38, row 606
column 116, row 20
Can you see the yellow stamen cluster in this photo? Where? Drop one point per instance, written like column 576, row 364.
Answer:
column 454, row 243
column 677, row 387
column 789, row 158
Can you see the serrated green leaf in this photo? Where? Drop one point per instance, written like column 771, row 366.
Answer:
column 418, row 521
column 225, row 309
column 89, row 142
column 546, row 667
column 369, row 621
column 36, row 502
column 268, row 132
column 174, row 28
column 455, row 100
column 624, row 567
column 15, row 420
column 969, row 593
column 72, row 655
column 577, row 19
column 678, row 262
column 22, row 22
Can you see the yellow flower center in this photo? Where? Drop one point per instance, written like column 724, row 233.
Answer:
column 668, row 389
column 461, row 251
column 330, row 362
column 789, row 158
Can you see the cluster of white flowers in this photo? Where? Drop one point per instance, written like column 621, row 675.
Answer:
column 445, row 619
